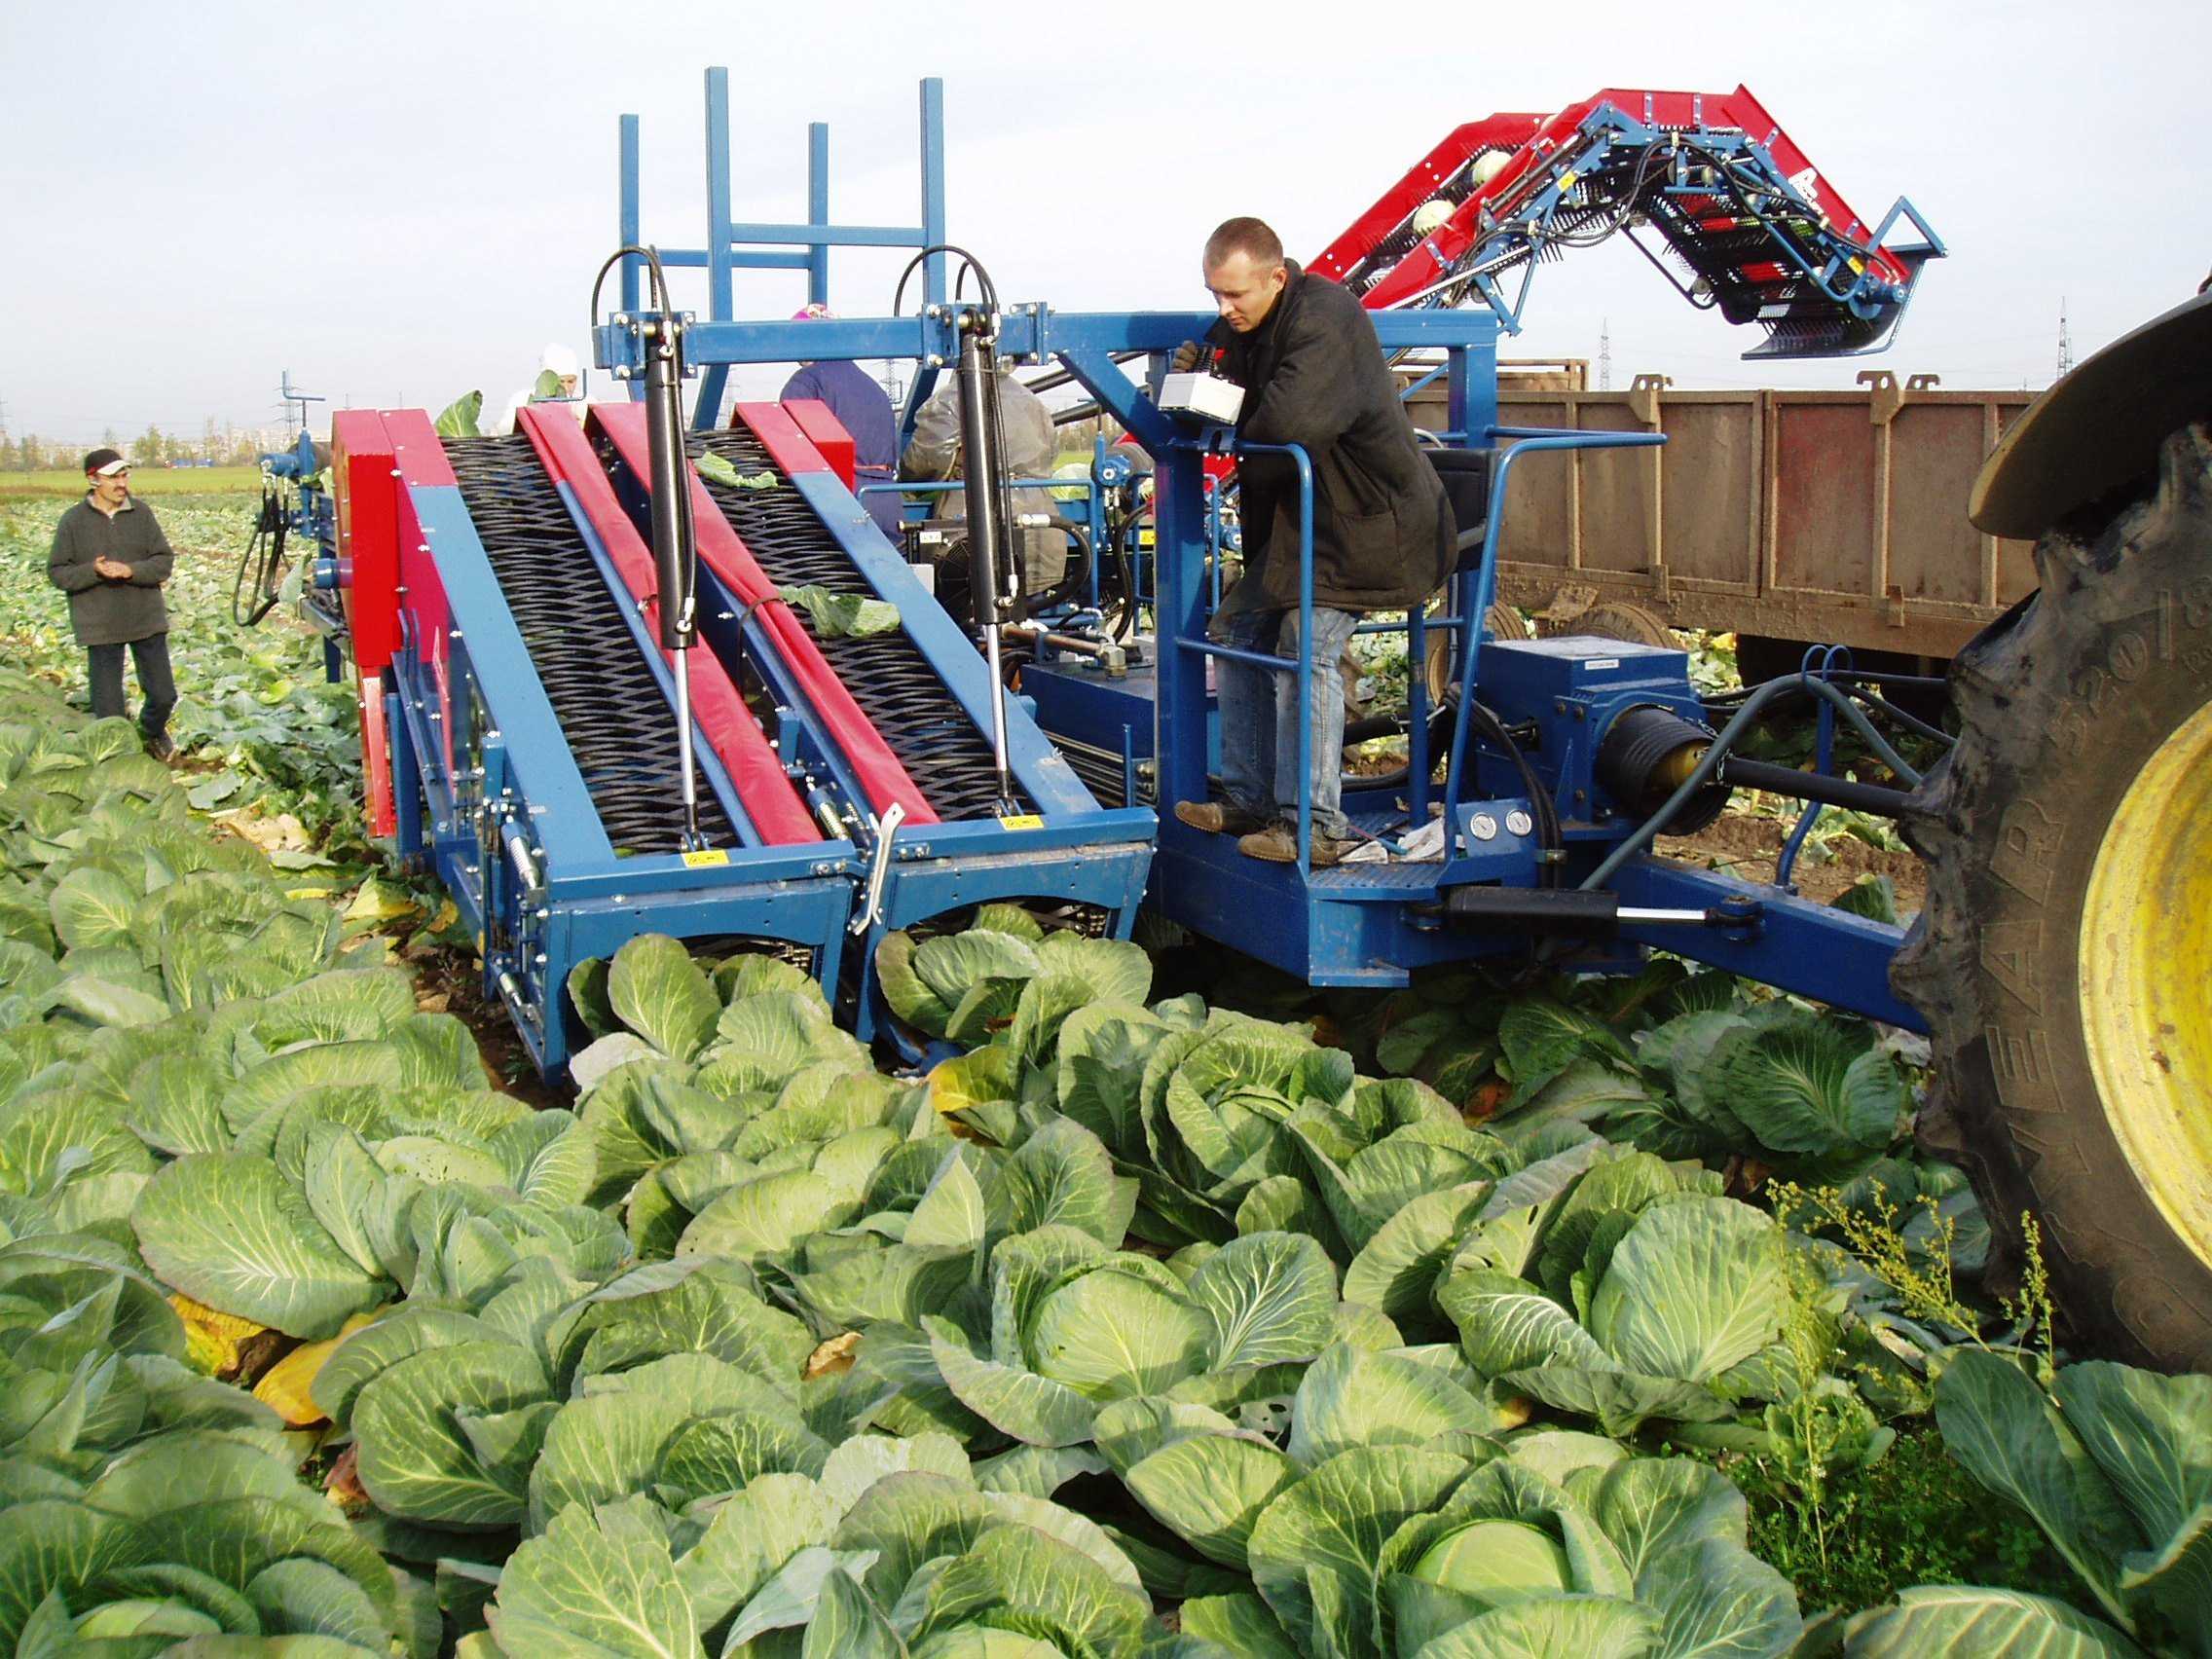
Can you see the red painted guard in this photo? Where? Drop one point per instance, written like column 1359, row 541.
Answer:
column 364, row 487
column 728, row 726
column 419, row 458
column 879, row 771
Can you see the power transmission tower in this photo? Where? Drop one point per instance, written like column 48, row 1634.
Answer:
column 1605, row 355
column 2065, row 340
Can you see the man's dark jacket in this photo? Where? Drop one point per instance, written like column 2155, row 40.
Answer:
column 1313, row 375
column 106, row 612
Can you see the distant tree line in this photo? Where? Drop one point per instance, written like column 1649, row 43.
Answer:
column 217, row 445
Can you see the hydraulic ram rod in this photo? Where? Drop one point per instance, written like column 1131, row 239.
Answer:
column 988, row 542
column 676, row 550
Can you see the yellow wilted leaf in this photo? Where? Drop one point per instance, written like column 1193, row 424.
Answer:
column 973, row 1079
column 212, row 1339
column 380, row 902
column 832, row 1357
column 288, row 1386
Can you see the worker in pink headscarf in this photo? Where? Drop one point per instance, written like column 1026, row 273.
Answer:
column 863, row 409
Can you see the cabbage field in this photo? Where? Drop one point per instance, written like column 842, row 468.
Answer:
column 1183, row 1313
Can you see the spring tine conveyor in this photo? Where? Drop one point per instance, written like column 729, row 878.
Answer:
column 529, row 729
column 902, row 695
column 891, row 718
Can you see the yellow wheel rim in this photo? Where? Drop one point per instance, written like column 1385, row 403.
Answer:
column 2145, row 979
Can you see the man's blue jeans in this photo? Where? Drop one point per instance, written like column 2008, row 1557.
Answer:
column 1259, row 716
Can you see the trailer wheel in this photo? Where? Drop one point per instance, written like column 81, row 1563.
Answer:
column 2064, row 959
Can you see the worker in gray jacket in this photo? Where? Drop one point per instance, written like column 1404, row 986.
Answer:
column 1028, row 446
column 111, row 559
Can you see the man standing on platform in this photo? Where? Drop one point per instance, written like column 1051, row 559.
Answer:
column 1305, row 352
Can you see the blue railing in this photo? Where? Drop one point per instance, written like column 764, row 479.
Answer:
column 1526, row 440
column 1304, row 667
column 1476, row 593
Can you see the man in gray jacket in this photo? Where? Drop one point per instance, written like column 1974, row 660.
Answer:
column 111, row 559
column 1028, row 446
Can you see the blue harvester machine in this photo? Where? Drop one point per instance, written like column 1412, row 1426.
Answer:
column 587, row 704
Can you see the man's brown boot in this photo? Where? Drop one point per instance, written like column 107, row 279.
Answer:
column 1278, row 844
column 1218, row 816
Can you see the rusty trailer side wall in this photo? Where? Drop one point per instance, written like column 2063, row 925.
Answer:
column 1802, row 515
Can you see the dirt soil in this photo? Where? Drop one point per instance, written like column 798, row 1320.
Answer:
column 1746, row 846
column 449, row 981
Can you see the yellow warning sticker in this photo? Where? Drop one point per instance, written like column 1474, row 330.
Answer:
column 1566, row 179
column 1022, row 821
column 707, row 860
column 1857, row 266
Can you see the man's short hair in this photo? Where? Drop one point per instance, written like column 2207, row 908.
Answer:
column 1248, row 237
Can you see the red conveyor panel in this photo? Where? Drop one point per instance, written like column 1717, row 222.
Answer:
column 821, row 428
column 877, row 769
column 780, row 436
column 762, row 785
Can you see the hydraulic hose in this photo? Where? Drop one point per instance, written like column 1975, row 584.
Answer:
column 1078, row 569
column 1708, row 764
column 264, row 556
column 1711, row 763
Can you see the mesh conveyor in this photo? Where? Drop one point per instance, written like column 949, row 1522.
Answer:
column 917, row 715
column 610, row 704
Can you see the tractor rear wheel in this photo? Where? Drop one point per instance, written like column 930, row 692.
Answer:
column 2064, row 959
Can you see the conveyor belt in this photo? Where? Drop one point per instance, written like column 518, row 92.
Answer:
column 903, row 698
column 612, row 712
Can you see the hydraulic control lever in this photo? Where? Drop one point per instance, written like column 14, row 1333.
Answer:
column 994, row 574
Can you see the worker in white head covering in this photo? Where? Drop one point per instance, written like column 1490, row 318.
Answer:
column 557, row 382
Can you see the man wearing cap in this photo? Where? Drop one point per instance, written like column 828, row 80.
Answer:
column 111, row 559
column 863, row 409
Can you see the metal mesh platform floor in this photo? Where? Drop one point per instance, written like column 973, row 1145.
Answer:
column 618, row 723
column 902, row 696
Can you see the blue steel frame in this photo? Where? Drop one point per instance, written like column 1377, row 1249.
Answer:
column 1347, row 925
column 732, row 246
column 510, row 830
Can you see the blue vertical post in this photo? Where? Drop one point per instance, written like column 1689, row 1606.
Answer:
column 632, row 266
column 1179, row 540
column 721, row 298
column 817, row 210
column 932, row 187
column 933, row 235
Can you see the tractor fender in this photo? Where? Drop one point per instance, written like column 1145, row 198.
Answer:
column 2098, row 429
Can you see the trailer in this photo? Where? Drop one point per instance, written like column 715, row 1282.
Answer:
column 1782, row 516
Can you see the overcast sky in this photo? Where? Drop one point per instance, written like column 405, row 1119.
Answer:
column 403, row 202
